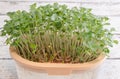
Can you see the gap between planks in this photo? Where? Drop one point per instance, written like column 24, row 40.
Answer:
column 70, row 1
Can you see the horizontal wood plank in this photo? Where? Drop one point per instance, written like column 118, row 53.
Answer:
column 114, row 23
column 2, row 18
column 2, row 41
column 108, row 9
column 114, row 51
column 7, row 69
column 108, row 70
column 59, row 0
column 4, row 52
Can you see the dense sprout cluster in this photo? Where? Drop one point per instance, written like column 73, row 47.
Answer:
column 56, row 33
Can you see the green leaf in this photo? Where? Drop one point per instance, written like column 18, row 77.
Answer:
column 106, row 50
column 115, row 41
column 33, row 46
column 76, row 32
column 33, row 6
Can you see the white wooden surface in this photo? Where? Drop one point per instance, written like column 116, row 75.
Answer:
column 110, row 68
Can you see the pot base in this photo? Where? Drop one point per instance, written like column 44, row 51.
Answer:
column 24, row 73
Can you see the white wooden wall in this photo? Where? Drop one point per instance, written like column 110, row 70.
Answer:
column 111, row 8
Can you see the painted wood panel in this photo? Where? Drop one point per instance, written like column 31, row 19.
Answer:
column 62, row 0
column 4, row 52
column 108, row 9
column 115, row 50
column 108, row 70
column 7, row 69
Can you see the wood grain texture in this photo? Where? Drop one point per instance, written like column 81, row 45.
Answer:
column 7, row 69
column 107, row 9
column 2, row 18
column 59, row 0
column 2, row 41
column 108, row 70
column 4, row 52
column 114, row 51
column 115, row 22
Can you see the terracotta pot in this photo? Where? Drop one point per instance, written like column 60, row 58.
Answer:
column 55, row 68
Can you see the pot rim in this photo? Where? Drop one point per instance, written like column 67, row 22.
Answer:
column 58, row 66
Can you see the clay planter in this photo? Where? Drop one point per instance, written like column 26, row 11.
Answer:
column 32, row 70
